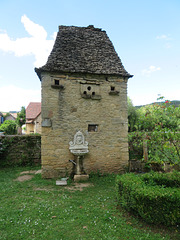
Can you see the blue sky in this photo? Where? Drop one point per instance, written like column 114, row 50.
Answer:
column 145, row 34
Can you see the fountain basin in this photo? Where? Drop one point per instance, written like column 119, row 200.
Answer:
column 79, row 152
column 78, row 147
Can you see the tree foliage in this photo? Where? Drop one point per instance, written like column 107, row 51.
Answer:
column 161, row 123
column 9, row 127
column 132, row 116
column 21, row 117
column 158, row 116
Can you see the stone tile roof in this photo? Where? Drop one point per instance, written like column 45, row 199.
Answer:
column 83, row 50
column 33, row 110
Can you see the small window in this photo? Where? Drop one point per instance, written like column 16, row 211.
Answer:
column 89, row 88
column 112, row 88
column 56, row 82
column 92, row 128
column 93, row 93
column 85, row 92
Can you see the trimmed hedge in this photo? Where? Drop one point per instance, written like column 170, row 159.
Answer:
column 154, row 196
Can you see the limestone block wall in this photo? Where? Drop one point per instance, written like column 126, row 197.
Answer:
column 29, row 128
column 84, row 102
column 37, row 125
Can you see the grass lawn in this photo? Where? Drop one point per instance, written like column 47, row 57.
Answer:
column 38, row 209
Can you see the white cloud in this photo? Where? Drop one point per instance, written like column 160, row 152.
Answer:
column 150, row 70
column 164, row 37
column 33, row 29
column 17, row 97
column 168, row 45
column 37, row 44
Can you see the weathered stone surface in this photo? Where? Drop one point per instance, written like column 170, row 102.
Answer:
column 81, row 178
column 24, row 178
column 92, row 92
column 108, row 147
column 83, row 50
column 46, row 122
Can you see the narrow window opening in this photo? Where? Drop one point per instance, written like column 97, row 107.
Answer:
column 93, row 93
column 89, row 88
column 56, row 82
column 106, row 79
column 85, row 92
column 112, row 88
column 92, row 127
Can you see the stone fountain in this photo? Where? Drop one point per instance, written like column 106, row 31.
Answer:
column 79, row 147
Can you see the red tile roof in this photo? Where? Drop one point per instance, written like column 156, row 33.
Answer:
column 33, row 110
column 14, row 115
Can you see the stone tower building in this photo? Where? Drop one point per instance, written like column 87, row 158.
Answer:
column 84, row 88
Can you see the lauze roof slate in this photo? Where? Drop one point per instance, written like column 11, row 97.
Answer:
column 83, row 50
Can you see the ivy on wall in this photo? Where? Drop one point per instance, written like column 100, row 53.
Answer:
column 22, row 150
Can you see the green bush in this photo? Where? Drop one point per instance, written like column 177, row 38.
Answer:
column 159, row 126
column 20, row 150
column 9, row 127
column 167, row 180
column 152, row 195
column 135, row 140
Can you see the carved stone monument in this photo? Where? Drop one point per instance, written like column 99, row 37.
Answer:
column 79, row 147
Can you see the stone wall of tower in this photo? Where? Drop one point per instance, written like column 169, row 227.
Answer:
column 72, row 102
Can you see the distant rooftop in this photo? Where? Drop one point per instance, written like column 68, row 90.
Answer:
column 33, row 110
column 83, row 50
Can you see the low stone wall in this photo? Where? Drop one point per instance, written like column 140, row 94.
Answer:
column 20, row 150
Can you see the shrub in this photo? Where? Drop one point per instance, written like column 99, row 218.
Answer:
column 20, row 150
column 21, row 117
column 9, row 127
column 160, row 123
column 135, row 140
column 132, row 116
column 152, row 195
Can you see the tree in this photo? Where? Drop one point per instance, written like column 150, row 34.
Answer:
column 21, row 117
column 161, row 122
column 158, row 116
column 9, row 127
column 132, row 116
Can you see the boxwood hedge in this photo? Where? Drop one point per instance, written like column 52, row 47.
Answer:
column 154, row 196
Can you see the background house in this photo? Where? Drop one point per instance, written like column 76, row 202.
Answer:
column 33, row 118
column 84, row 87
column 10, row 116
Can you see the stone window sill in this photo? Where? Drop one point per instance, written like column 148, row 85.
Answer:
column 57, row 86
column 114, row 93
column 93, row 97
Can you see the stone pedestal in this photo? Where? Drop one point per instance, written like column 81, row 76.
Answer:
column 81, row 178
column 79, row 147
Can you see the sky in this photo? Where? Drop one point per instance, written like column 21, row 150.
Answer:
column 145, row 34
